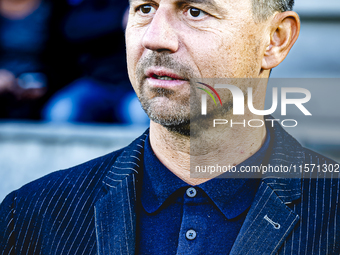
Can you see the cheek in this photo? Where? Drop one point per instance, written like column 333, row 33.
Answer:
column 217, row 54
column 239, row 56
column 250, row 57
column 230, row 52
column 208, row 55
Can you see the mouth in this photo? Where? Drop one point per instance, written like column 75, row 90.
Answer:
column 161, row 73
column 163, row 78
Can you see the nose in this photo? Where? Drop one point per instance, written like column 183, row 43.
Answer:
column 160, row 34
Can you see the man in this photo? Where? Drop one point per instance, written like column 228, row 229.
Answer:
column 141, row 199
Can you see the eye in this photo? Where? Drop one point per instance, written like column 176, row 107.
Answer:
column 196, row 13
column 146, row 9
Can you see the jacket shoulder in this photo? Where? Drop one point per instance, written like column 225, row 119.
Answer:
column 317, row 166
column 313, row 155
column 57, row 208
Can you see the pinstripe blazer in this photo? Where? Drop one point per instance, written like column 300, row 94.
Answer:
column 91, row 208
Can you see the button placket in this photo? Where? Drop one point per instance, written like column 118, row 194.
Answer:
column 193, row 223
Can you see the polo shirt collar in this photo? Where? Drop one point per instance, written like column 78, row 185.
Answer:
column 158, row 182
column 231, row 196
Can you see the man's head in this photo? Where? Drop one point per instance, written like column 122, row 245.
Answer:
column 172, row 41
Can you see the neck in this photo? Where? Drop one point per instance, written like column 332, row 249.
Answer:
column 225, row 145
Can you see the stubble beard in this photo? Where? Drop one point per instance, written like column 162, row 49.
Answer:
column 165, row 106
column 171, row 109
column 174, row 116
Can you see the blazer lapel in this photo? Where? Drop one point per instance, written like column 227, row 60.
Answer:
column 268, row 222
column 115, row 214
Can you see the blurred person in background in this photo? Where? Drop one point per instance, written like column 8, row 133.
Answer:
column 103, row 93
column 32, row 53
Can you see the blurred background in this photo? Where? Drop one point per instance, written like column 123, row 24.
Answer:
column 65, row 96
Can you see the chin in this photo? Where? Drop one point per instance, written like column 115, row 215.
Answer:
column 174, row 120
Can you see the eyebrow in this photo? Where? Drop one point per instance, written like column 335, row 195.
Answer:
column 208, row 2
column 211, row 4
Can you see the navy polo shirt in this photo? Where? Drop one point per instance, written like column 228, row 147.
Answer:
column 177, row 218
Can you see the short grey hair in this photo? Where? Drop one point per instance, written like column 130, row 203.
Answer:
column 263, row 9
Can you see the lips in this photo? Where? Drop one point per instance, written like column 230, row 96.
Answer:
column 162, row 74
column 161, row 77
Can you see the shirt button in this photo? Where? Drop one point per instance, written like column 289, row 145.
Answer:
column 191, row 192
column 190, row 234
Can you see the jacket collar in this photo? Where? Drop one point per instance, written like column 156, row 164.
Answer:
column 115, row 213
column 268, row 222
column 286, row 153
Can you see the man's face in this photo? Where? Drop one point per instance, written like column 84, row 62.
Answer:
column 172, row 41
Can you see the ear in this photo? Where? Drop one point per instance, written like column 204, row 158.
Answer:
column 285, row 29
